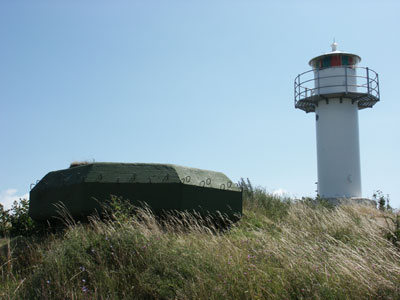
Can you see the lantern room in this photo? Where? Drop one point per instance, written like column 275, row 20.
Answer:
column 336, row 74
column 334, row 59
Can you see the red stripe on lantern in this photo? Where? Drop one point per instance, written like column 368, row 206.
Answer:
column 335, row 62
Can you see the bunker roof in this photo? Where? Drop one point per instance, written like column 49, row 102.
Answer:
column 107, row 172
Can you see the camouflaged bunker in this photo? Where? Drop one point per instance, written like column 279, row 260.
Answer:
column 163, row 187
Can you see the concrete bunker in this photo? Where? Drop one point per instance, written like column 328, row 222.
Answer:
column 163, row 187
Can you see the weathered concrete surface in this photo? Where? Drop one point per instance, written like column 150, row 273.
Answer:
column 83, row 189
column 354, row 200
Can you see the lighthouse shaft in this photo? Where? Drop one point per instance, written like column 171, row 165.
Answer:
column 338, row 150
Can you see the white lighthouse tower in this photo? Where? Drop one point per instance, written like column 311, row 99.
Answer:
column 335, row 89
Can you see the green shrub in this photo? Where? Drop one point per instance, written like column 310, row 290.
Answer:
column 16, row 221
column 4, row 221
column 21, row 222
column 381, row 200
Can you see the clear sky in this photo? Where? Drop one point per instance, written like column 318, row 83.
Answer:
column 205, row 84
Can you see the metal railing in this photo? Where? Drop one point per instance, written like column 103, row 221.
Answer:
column 312, row 85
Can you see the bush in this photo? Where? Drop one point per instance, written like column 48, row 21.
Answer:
column 21, row 222
column 381, row 200
column 16, row 221
column 4, row 221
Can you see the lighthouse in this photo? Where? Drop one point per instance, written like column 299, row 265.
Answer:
column 335, row 89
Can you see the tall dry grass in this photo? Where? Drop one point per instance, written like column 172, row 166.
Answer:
column 301, row 252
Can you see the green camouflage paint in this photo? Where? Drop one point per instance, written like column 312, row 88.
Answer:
column 164, row 187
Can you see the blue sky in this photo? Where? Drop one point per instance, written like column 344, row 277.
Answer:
column 206, row 84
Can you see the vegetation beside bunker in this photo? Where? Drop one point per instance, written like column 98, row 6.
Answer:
column 288, row 251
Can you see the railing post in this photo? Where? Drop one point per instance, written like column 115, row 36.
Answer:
column 367, row 80
column 345, row 78
column 298, row 90
column 318, row 82
column 377, row 84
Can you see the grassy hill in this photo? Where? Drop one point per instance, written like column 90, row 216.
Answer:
column 278, row 250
